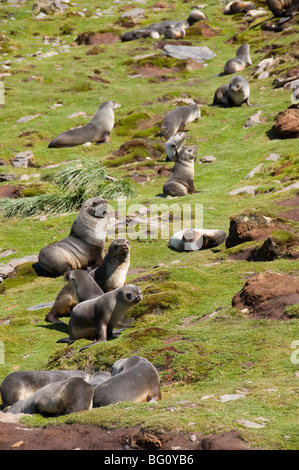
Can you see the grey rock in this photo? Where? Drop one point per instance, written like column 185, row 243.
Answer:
column 253, row 120
column 22, row 159
column 199, row 54
column 244, row 189
column 273, row 157
column 208, row 159
column 255, row 170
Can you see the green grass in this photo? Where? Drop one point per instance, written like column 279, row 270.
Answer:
column 196, row 355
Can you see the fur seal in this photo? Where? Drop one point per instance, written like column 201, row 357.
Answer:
column 238, row 7
column 22, row 384
column 110, row 275
column 197, row 239
column 97, row 130
column 234, row 93
column 174, row 145
column 99, row 377
column 283, row 8
column 138, row 34
column 58, row 398
column 175, row 32
column 95, row 318
column 132, row 379
column 82, row 248
column 180, row 182
column 195, row 16
column 240, row 62
column 175, row 120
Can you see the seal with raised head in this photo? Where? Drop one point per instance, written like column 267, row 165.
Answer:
column 181, row 180
column 97, row 130
column 175, row 120
column 110, row 275
column 240, row 62
column 84, row 245
column 197, row 239
column 132, row 379
column 22, row 384
column 283, row 8
column 95, row 318
column 174, row 145
column 234, row 93
column 57, row 398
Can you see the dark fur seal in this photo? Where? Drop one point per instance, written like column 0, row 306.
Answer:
column 234, row 93
column 238, row 7
column 138, row 34
column 82, row 248
column 97, row 130
column 240, row 62
column 132, row 379
column 110, row 275
column 57, row 398
column 175, row 120
column 22, row 384
column 195, row 16
column 180, row 182
column 283, row 8
column 95, row 318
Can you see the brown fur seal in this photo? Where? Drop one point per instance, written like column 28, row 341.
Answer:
column 84, row 245
column 282, row 8
column 132, row 379
column 57, row 398
column 22, row 384
column 97, row 130
column 174, row 145
column 240, row 62
column 110, row 275
column 238, row 7
column 96, row 318
column 175, row 121
column 195, row 16
column 234, row 93
column 180, row 182
column 197, row 239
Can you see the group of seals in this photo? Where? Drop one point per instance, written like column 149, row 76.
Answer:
column 97, row 130
column 60, row 392
column 110, row 275
column 240, row 62
column 234, row 93
column 84, row 245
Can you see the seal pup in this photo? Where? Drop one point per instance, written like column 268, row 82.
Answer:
column 132, row 379
column 238, row 7
column 22, row 384
column 84, row 245
column 110, row 275
column 174, row 145
column 95, row 318
column 240, row 62
column 138, row 34
column 97, row 130
column 197, row 239
column 175, row 120
column 234, row 93
column 175, row 32
column 57, row 398
column 180, row 182
column 195, row 16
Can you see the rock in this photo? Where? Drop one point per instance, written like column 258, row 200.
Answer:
column 22, row 159
column 286, row 123
column 40, row 306
column 244, row 189
column 231, row 396
column 78, row 113
column 10, row 417
column 250, row 424
column 199, row 54
column 255, row 170
column 7, row 253
column 250, row 226
column 27, row 118
column 135, row 15
column 48, row 7
column 273, row 157
column 10, row 267
column 253, row 120
column 264, row 66
column 289, row 188
column 6, row 177
column 208, row 159
column 266, row 295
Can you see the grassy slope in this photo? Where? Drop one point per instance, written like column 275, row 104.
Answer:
column 224, row 354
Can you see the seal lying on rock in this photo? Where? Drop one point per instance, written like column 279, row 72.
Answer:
column 197, row 239
column 97, row 130
column 132, row 379
column 82, row 248
column 110, row 275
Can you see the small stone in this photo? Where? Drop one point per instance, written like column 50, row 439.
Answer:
column 229, row 397
column 253, row 120
column 244, row 189
column 208, row 159
column 27, row 118
column 250, row 424
column 273, row 157
column 255, row 170
column 22, row 159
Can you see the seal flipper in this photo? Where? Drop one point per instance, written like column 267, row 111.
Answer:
column 91, row 344
column 67, row 339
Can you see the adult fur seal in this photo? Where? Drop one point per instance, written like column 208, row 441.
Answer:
column 174, row 145
column 132, row 379
column 238, row 7
column 234, row 93
column 240, row 62
column 175, row 120
column 82, row 248
column 283, row 8
column 97, row 130
column 180, row 182
column 99, row 377
column 95, row 318
column 197, row 239
column 110, row 275
column 22, row 384
column 195, row 16
column 58, row 398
